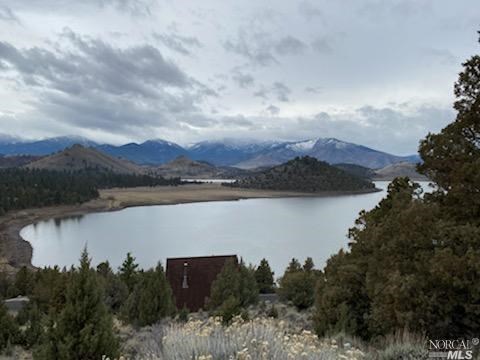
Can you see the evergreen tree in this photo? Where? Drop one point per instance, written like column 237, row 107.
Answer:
column 8, row 329
column 308, row 265
column 264, row 278
column 151, row 299
column 226, row 285
column 247, row 285
column 412, row 260
column 33, row 326
column 233, row 289
column 297, row 285
column 24, row 281
column 293, row 266
column 84, row 329
column 49, row 289
column 128, row 272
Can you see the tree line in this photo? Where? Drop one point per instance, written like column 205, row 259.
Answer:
column 70, row 313
column 23, row 188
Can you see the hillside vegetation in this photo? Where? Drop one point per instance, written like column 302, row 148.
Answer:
column 25, row 188
column 16, row 160
column 305, row 174
column 79, row 157
column 357, row 170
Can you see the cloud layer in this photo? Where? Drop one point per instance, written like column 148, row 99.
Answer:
column 377, row 73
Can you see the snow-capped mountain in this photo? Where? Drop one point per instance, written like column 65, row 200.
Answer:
column 247, row 154
column 225, row 152
column 331, row 150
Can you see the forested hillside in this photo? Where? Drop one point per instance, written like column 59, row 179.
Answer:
column 24, row 188
column 305, row 174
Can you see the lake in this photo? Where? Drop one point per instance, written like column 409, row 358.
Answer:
column 277, row 229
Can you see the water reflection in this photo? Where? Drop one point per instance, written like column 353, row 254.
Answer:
column 277, row 229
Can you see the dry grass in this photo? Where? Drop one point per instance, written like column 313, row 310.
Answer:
column 258, row 339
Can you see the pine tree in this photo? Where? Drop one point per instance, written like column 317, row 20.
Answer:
column 84, row 329
column 264, row 278
column 128, row 272
column 233, row 289
column 293, row 266
column 248, row 289
column 297, row 284
column 226, row 285
column 24, row 281
column 308, row 265
column 8, row 329
column 151, row 299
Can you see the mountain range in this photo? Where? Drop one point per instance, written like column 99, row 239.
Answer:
column 241, row 154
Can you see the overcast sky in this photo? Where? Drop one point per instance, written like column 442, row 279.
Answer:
column 378, row 73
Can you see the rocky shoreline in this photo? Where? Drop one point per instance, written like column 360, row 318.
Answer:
column 16, row 252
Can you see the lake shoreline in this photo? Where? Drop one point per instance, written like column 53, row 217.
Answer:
column 17, row 252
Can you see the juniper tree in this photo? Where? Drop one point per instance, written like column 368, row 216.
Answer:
column 264, row 278
column 83, row 329
column 151, row 299
column 8, row 328
column 234, row 288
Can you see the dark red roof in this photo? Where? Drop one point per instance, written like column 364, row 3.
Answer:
column 191, row 278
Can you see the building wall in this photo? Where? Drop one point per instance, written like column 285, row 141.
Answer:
column 200, row 273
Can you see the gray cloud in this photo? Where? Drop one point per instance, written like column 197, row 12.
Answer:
column 255, row 47
column 321, row 45
column 309, row 11
column 281, row 91
column 98, row 86
column 6, row 14
column 290, row 45
column 181, row 44
column 278, row 89
column 118, row 78
column 259, row 47
column 132, row 7
column 95, row 65
column 242, row 79
column 273, row 110
column 313, row 89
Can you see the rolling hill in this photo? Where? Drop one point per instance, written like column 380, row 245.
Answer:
column 79, row 157
column 306, row 174
column 186, row 168
column 10, row 161
column 399, row 169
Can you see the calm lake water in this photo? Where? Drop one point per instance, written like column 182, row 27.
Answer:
column 277, row 229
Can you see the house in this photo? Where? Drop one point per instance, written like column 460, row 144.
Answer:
column 191, row 278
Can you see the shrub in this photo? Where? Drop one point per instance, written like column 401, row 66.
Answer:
column 298, row 284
